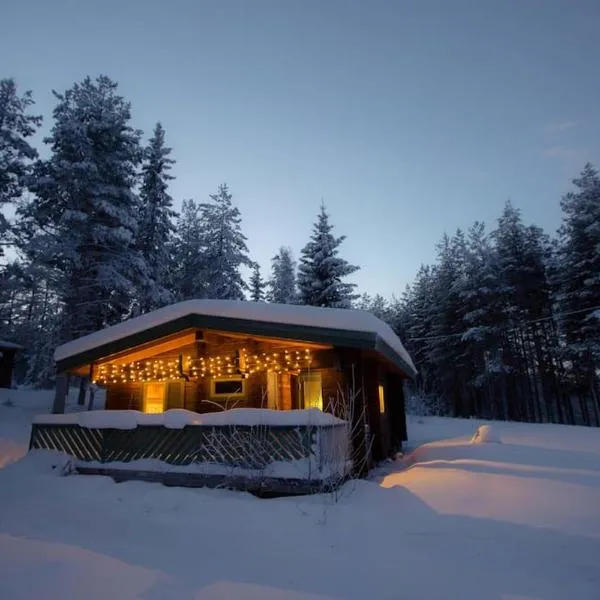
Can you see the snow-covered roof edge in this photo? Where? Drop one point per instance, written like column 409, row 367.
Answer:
column 348, row 321
column 9, row 345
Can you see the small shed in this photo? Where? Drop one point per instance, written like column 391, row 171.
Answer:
column 7, row 361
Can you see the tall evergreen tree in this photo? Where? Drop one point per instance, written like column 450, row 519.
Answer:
column 187, row 279
column 321, row 269
column 156, row 221
column 577, row 279
column 257, row 285
column 16, row 154
column 282, row 285
column 85, row 210
column 225, row 250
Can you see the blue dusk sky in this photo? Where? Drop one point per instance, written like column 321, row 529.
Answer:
column 408, row 118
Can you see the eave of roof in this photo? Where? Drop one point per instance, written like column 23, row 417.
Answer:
column 336, row 337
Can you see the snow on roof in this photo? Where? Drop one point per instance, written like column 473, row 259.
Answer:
column 10, row 345
column 349, row 320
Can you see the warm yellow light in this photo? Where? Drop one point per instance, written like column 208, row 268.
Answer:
column 381, row 399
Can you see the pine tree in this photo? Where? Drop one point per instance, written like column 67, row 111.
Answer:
column 187, row 281
column 257, row 293
column 483, row 321
column 321, row 269
column 225, row 250
column 577, row 279
column 156, row 222
column 282, row 285
column 378, row 306
column 16, row 154
column 85, row 211
column 444, row 348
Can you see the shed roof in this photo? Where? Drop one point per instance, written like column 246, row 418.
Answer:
column 335, row 326
column 4, row 345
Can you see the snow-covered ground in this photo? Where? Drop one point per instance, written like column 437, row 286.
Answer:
column 456, row 518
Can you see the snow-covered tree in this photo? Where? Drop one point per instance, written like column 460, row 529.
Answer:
column 257, row 285
column 225, row 250
column 577, row 281
column 282, row 285
column 321, row 270
column 16, row 154
column 376, row 305
column 187, row 279
column 85, row 211
column 578, row 277
column 156, row 221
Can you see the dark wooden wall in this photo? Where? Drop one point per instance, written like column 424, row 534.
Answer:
column 6, row 368
column 386, row 430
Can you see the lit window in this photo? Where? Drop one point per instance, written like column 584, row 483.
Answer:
column 381, row 400
column 154, row 397
column 312, row 390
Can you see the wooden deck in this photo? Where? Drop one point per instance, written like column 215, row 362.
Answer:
column 282, row 459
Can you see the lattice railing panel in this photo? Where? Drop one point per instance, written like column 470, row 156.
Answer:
column 245, row 447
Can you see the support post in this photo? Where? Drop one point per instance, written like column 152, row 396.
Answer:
column 60, row 394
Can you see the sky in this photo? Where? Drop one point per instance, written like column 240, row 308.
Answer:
column 408, row 119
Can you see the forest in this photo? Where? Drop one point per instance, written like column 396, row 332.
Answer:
column 504, row 325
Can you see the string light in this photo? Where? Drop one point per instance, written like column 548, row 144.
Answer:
column 241, row 362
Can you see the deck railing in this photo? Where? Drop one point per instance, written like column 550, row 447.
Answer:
column 319, row 452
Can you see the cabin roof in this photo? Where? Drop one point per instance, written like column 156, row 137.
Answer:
column 338, row 327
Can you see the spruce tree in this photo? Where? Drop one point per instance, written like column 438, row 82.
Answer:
column 156, row 221
column 16, row 154
column 85, row 211
column 282, row 285
column 321, row 270
column 225, row 250
column 577, row 281
column 257, row 293
column 187, row 279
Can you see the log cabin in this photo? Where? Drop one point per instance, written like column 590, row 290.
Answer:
column 205, row 356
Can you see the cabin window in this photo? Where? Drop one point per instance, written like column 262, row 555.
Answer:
column 273, row 390
column 160, row 396
column 381, row 399
column 312, row 390
column 154, row 397
column 228, row 387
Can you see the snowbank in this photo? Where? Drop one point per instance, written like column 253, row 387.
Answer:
column 308, row 316
column 455, row 523
column 486, row 434
column 179, row 418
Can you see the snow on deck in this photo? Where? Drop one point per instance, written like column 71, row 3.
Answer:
column 453, row 520
column 178, row 418
column 307, row 316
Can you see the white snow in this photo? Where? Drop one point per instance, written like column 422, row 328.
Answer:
column 19, row 407
column 486, row 434
column 178, row 418
column 308, row 316
column 453, row 520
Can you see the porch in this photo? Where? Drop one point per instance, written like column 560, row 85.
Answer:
column 261, row 451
